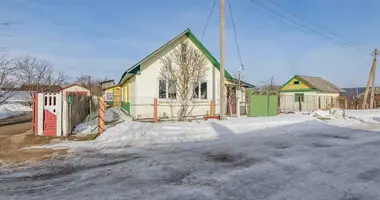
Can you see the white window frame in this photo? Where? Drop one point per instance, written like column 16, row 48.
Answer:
column 166, row 90
column 200, row 91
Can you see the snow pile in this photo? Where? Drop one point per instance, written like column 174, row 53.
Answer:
column 111, row 115
column 366, row 116
column 321, row 114
column 334, row 113
column 337, row 113
column 132, row 133
column 8, row 110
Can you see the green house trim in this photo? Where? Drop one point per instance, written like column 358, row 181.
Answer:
column 126, row 106
column 299, row 90
column 135, row 69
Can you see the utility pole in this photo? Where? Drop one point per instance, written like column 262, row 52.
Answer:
column 371, row 80
column 221, row 70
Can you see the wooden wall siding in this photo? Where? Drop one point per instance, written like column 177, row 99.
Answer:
column 291, row 86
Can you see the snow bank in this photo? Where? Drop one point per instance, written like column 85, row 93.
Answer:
column 111, row 115
column 132, row 133
column 367, row 116
column 8, row 110
column 334, row 113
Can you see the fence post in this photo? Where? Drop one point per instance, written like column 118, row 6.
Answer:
column 212, row 108
column 90, row 116
column 101, row 116
column 35, row 113
column 58, row 103
column 40, row 115
column 155, row 112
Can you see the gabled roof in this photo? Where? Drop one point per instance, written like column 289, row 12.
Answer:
column 71, row 85
column 40, row 88
column 107, row 81
column 242, row 83
column 135, row 69
column 317, row 83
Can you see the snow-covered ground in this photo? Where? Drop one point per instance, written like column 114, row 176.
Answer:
column 12, row 109
column 111, row 115
column 283, row 157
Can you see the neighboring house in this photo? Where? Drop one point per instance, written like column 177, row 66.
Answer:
column 107, row 84
column 39, row 88
column 140, row 84
column 303, row 93
column 354, row 92
column 112, row 95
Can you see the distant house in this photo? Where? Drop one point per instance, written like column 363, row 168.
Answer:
column 302, row 93
column 39, row 88
column 107, row 84
column 353, row 98
column 352, row 92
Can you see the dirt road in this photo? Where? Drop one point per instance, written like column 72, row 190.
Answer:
column 15, row 138
column 15, row 129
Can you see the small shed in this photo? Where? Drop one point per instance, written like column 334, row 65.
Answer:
column 51, row 110
column 75, row 89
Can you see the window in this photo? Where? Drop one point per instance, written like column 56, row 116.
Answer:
column 296, row 82
column 167, row 89
column 298, row 96
column 172, row 89
column 200, row 90
column 162, row 89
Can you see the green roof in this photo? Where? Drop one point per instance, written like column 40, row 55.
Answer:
column 135, row 69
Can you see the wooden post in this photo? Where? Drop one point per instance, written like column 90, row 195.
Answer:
column 299, row 103
column 373, row 88
column 102, row 109
column 345, row 103
column 370, row 78
column 35, row 113
column 211, row 108
column 155, row 111
column 222, row 99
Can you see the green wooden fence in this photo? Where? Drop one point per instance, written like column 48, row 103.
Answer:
column 262, row 105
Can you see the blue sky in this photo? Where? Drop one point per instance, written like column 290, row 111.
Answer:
column 103, row 38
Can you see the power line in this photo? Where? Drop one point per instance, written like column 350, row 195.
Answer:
column 297, row 16
column 208, row 19
column 299, row 26
column 235, row 34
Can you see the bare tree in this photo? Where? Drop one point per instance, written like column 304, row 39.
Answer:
column 7, row 80
column 181, row 68
column 37, row 75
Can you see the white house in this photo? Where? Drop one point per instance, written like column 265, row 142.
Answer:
column 141, row 84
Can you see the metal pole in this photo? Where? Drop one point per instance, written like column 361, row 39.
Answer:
column 90, row 117
column 222, row 78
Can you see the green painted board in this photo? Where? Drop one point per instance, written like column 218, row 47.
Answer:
column 263, row 105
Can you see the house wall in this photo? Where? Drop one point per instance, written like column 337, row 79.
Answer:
column 144, row 88
column 312, row 100
column 126, row 94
